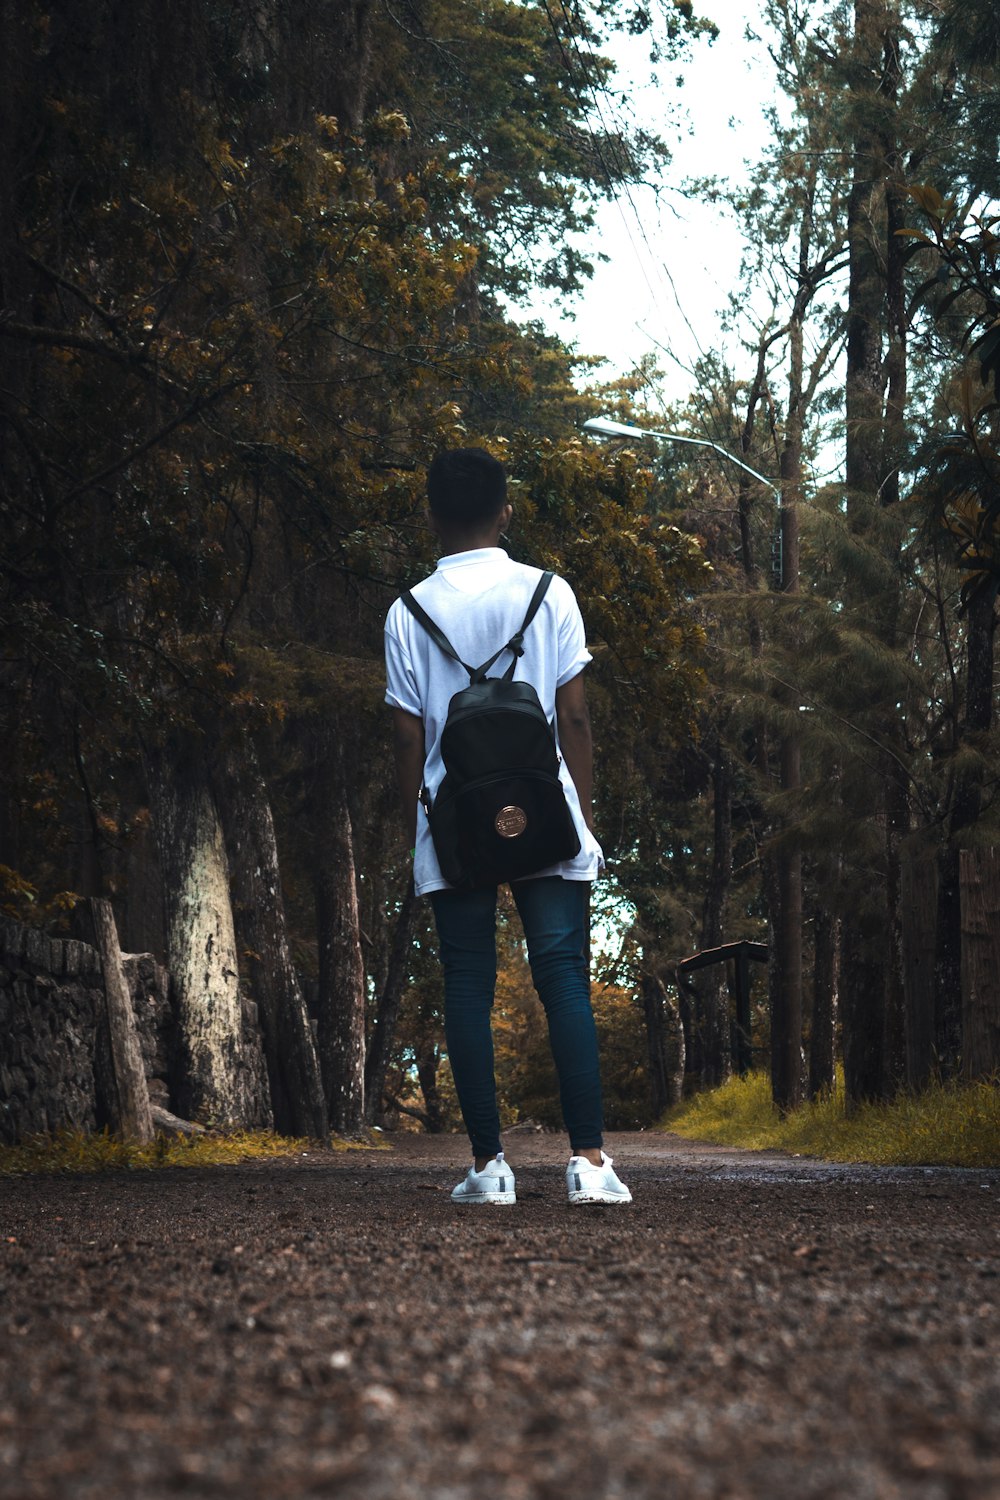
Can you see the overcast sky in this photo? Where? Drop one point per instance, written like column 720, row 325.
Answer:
column 671, row 264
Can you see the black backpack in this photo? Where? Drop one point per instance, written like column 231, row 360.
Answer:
column 500, row 812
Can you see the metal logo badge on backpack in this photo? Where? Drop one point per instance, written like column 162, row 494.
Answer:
column 510, row 822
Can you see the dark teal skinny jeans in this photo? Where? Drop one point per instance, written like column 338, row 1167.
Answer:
column 554, row 914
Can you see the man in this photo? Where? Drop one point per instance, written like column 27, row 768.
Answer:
column 478, row 597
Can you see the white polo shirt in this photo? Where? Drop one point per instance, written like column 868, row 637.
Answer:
column 479, row 599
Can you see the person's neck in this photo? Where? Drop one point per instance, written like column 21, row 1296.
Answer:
column 450, row 546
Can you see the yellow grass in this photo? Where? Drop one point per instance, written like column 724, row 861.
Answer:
column 74, row 1151
column 948, row 1125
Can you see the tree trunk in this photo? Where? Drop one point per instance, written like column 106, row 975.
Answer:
column 980, row 632
column 870, row 994
column 980, row 884
column 786, row 992
column 866, row 282
column 862, row 993
column 786, row 977
column 656, row 1052
column 259, row 915
column 675, row 1048
column 665, row 1047
column 387, row 1013
column 918, row 910
column 948, row 963
column 427, row 1070
column 126, row 1096
column 895, row 781
column 824, row 1006
column 966, row 805
column 713, row 991
column 897, row 826
column 341, row 1001
column 201, row 943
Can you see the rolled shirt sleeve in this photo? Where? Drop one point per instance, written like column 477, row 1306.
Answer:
column 572, row 637
column 401, row 683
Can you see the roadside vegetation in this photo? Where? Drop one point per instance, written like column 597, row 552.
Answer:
column 73, row 1151
column 948, row 1125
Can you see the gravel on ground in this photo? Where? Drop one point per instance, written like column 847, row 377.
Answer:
column 753, row 1325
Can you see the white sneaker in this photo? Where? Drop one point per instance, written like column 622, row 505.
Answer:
column 494, row 1184
column 589, row 1184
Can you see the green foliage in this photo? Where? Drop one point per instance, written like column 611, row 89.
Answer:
column 246, row 300
column 493, row 89
column 964, row 278
column 946, row 1125
column 74, row 1151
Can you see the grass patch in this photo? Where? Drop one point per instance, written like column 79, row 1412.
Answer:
column 948, row 1125
column 75, row 1151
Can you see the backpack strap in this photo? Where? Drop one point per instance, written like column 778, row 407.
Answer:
column 435, row 632
column 515, row 645
column 516, row 642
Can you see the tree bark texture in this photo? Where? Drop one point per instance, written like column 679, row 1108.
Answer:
column 896, row 367
column 656, row 1051
column 862, row 995
column 293, row 1073
column 125, row 1094
column 918, row 907
column 201, row 942
column 980, row 884
column 875, row 390
column 427, row 1075
column 341, row 1002
column 824, row 1003
column 866, row 284
column 786, row 920
column 897, row 826
column 786, row 983
column 980, row 631
column 387, row 1013
column 965, row 809
column 665, row 1044
column 948, row 963
column 712, row 989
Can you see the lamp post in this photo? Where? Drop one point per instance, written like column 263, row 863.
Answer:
column 605, row 427
column 786, row 921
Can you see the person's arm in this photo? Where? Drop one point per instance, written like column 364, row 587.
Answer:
column 573, row 718
column 408, row 747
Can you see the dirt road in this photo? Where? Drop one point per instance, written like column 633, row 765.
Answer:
column 751, row 1326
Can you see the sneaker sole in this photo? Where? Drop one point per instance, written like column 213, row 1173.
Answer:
column 484, row 1198
column 598, row 1197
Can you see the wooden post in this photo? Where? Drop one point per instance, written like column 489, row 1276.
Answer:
column 744, row 1052
column 128, row 1096
column 979, row 881
column 742, row 952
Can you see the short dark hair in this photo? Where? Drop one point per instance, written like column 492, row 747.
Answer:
column 466, row 488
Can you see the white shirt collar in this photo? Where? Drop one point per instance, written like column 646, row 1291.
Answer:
column 477, row 555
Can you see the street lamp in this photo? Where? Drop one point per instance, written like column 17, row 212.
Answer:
column 786, row 1001
column 605, row 427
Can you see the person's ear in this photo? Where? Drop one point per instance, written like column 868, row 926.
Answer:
column 432, row 520
column 506, row 516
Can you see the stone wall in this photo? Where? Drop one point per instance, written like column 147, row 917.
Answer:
column 49, row 993
column 51, row 990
